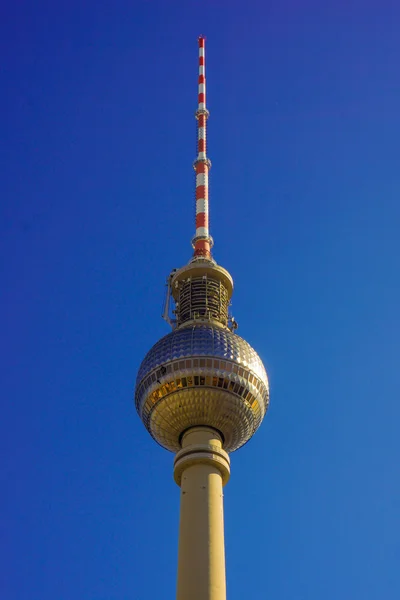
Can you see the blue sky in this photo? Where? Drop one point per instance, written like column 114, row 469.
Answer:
column 97, row 188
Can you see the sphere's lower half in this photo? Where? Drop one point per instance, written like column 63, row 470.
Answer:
column 202, row 375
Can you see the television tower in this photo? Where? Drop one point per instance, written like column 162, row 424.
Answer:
column 201, row 391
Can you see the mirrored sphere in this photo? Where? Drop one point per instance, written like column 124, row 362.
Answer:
column 202, row 374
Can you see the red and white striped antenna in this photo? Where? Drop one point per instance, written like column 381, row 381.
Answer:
column 202, row 241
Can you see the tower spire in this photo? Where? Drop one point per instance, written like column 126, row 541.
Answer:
column 202, row 241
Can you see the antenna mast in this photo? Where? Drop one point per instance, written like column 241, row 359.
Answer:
column 202, row 241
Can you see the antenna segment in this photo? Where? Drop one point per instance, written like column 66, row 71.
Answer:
column 202, row 241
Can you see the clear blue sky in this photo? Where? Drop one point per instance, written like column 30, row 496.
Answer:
column 98, row 138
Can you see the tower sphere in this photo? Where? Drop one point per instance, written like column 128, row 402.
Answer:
column 202, row 374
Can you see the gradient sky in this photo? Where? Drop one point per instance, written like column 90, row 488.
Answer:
column 97, row 187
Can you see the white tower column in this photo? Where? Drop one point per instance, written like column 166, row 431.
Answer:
column 201, row 469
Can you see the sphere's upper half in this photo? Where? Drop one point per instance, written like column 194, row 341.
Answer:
column 202, row 374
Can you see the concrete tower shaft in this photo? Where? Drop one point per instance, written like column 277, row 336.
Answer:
column 201, row 469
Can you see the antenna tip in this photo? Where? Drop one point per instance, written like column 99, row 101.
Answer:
column 201, row 40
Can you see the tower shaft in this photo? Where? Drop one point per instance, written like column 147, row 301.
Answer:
column 201, row 469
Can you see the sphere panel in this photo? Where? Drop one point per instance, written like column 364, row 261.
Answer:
column 202, row 340
column 171, row 416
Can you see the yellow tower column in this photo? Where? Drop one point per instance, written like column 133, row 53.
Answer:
column 201, row 469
